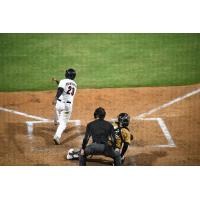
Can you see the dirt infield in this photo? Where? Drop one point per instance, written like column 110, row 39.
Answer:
column 169, row 135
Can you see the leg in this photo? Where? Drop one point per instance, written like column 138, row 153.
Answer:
column 63, row 118
column 110, row 152
column 95, row 149
column 82, row 160
column 56, row 114
column 92, row 149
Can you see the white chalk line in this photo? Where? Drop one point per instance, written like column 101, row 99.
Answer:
column 164, row 129
column 24, row 114
column 169, row 103
column 161, row 122
column 41, row 119
column 30, row 124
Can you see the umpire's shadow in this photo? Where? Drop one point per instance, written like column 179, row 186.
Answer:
column 99, row 161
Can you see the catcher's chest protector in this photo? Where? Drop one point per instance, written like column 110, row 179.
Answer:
column 118, row 131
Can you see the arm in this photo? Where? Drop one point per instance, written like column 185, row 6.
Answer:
column 58, row 94
column 86, row 137
column 112, row 135
column 124, row 149
column 126, row 138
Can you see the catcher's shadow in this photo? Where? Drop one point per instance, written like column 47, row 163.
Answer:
column 144, row 159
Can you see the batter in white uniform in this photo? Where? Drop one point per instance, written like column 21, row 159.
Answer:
column 64, row 102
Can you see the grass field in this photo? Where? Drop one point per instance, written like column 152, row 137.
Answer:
column 28, row 61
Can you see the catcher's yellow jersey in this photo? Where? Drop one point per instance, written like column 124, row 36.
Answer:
column 122, row 135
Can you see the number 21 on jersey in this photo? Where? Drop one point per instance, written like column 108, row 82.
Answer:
column 70, row 90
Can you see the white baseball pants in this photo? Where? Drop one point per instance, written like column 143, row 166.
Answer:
column 63, row 112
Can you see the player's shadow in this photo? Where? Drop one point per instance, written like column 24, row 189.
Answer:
column 95, row 162
column 144, row 159
column 47, row 133
column 13, row 130
column 16, row 145
column 73, row 133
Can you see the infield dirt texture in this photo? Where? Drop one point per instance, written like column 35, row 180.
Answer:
column 110, row 67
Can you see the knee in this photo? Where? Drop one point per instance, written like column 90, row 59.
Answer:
column 117, row 154
column 87, row 151
column 63, row 126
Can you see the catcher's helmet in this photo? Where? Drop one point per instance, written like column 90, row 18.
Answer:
column 99, row 113
column 70, row 74
column 123, row 119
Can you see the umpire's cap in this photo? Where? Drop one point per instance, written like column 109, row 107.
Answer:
column 100, row 113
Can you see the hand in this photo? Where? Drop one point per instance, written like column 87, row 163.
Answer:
column 53, row 79
column 82, row 152
column 132, row 137
column 54, row 102
column 122, row 159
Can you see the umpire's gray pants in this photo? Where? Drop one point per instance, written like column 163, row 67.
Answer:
column 100, row 149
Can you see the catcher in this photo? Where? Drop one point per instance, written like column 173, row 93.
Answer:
column 123, row 137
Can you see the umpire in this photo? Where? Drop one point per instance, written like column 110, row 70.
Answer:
column 100, row 131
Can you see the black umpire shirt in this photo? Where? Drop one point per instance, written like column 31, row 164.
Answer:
column 100, row 130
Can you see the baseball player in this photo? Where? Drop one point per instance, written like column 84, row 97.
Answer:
column 64, row 101
column 123, row 136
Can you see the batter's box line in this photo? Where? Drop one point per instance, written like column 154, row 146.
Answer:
column 30, row 124
column 164, row 129
column 160, row 121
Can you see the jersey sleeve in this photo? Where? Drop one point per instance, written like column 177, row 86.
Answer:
column 62, row 84
column 126, row 135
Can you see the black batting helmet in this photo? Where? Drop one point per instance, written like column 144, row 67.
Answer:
column 123, row 119
column 70, row 74
column 100, row 113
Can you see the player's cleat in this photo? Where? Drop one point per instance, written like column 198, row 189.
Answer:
column 73, row 154
column 56, row 140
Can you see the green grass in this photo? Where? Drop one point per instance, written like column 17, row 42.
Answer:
column 28, row 61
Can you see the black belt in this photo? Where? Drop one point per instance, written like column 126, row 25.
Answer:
column 66, row 102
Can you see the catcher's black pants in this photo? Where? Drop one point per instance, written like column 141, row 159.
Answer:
column 100, row 149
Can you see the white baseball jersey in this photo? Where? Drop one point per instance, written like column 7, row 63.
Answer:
column 69, row 92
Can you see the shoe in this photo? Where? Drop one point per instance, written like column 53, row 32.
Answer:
column 56, row 140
